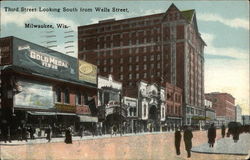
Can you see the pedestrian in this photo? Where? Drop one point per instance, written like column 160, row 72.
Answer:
column 188, row 135
column 68, row 136
column 235, row 133
column 211, row 135
column 81, row 131
column 48, row 131
column 177, row 136
column 115, row 130
column 19, row 133
column 24, row 133
column 223, row 130
column 32, row 131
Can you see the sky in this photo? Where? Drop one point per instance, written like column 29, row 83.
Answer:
column 223, row 25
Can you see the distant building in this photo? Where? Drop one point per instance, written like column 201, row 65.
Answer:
column 246, row 119
column 238, row 112
column 173, row 105
column 210, row 112
column 224, row 106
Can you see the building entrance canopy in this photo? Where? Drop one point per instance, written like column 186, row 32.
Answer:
column 34, row 113
column 84, row 118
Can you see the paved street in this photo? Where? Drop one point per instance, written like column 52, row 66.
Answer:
column 242, row 147
column 143, row 146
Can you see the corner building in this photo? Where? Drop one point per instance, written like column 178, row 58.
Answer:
column 157, row 48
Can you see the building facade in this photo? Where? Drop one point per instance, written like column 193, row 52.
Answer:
column 158, row 48
column 173, row 105
column 132, row 113
column 238, row 114
column 224, row 106
column 41, row 87
column 246, row 119
column 151, row 107
column 210, row 115
column 110, row 108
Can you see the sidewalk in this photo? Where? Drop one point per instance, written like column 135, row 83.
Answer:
column 227, row 146
column 74, row 138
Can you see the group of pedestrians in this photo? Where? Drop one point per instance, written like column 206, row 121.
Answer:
column 187, row 136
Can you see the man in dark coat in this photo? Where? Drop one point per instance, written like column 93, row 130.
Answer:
column 68, row 136
column 48, row 131
column 188, row 135
column 223, row 130
column 211, row 135
column 177, row 141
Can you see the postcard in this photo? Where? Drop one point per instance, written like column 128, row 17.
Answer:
column 112, row 80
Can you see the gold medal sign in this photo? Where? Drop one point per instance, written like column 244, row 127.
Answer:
column 87, row 72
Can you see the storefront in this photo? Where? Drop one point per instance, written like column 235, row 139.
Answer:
column 42, row 87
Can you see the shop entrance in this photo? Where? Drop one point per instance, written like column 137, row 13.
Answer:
column 152, row 113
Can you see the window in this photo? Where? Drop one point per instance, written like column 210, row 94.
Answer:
column 121, row 68
column 111, row 69
column 137, row 75
column 144, row 66
column 111, row 61
column 145, row 58
column 121, row 77
column 145, row 110
column 130, row 59
column 58, row 95
column 145, row 75
column 158, row 74
column 130, row 76
column 130, row 111
column 121, row 60
column 85, row 99
column 137, row 67
column 104, row 69
column 66, row 96
column 137, row 59
column 78, row 98
column 152, row 58
column 152, row 65
column 158, row 65
column 162, row 112
column 158, row 57
column 130, row 67
column 105, row 62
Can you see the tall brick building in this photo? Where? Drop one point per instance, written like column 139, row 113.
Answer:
column 224, row 106
column 157, row 48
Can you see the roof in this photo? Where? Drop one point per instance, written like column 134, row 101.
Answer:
column 188, row 14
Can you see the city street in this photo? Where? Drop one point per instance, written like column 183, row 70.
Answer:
column 140, row 146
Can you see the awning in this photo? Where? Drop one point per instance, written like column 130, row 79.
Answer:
column 66, row 114
column 84, row 118
column 34, row 113
column 42, row 113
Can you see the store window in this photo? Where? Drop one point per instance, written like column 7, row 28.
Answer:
column 66, row 96
column 58, row 95
column 85, row 99
column 78, row 98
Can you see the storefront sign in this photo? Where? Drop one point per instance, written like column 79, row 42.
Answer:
column 87, row 72
column 65, row 108
column 83, row 109
column 33, row 95
column 43, row 60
